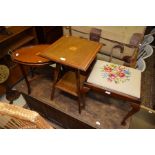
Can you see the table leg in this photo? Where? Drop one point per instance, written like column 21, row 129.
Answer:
column 78, row 89
column 84, row 90
column 56, row 77
column 135, row 108
column 32, row 71
column 25, row 77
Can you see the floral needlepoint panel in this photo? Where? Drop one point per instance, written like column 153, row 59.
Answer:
column 116, row 77
column 115, row 73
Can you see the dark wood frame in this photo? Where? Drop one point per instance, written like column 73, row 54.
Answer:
column 56, row 79
column 80, row 93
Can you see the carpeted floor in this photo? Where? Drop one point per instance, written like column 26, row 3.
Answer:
column 100, row 111
column 144, row 119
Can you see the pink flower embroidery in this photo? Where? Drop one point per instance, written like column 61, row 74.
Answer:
column 107, row 69
column 121, row 74
column 112, row 76
column 116, row 73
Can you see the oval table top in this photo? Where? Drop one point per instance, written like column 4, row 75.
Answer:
column 29, row 55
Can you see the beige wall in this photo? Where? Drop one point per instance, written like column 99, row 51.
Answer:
column 121, row 34
column 118, row 33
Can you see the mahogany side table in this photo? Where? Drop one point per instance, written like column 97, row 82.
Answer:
column 28, row 56
column 76, row 53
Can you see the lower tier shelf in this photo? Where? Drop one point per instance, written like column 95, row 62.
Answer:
column 68, row 83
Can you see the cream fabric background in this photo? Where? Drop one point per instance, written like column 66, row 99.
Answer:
column 131, row 87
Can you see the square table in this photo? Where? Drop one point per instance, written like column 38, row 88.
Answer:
column 76, row 53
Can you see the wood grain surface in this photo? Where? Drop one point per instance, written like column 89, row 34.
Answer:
column 72, row 51
column 29, row 55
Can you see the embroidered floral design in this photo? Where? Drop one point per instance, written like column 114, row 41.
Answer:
column 116, row 73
